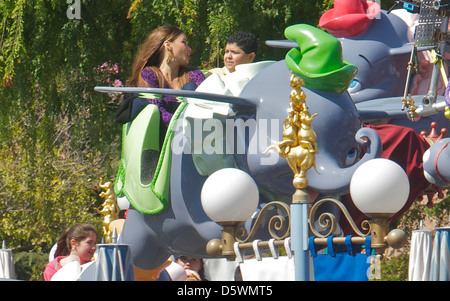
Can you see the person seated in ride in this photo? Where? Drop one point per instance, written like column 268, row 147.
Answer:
column 162, row 62
column 241, row 48
column 77, row 243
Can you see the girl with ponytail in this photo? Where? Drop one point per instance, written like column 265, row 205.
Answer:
column 77, row 243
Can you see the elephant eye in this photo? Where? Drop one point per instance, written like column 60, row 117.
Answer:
column 355, row 86
column 351, row 156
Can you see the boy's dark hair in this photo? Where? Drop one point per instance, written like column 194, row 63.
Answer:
column 245, row 40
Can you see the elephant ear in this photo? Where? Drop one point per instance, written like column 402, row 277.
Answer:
column 318, row 59
column 436, row 161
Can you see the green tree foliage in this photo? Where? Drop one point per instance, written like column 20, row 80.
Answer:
column 209, row 23
column 58, row 137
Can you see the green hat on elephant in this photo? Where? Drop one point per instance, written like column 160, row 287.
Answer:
column 318, row 59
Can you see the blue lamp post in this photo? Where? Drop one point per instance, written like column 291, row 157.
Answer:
column 299, row 234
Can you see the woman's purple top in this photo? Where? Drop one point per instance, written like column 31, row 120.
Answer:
column 168, row 104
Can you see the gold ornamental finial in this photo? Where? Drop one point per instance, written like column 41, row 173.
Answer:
column 410, row 105
column 110, row 209
column 299, row 139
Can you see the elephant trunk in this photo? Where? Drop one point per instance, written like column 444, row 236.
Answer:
column 332, row 179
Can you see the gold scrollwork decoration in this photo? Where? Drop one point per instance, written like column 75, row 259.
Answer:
column 278, row 225
column 328, row 221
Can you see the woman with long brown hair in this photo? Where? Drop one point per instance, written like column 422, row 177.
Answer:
column 162, row 63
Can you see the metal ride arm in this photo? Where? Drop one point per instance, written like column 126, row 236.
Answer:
column 431, row 31
column 183, row 93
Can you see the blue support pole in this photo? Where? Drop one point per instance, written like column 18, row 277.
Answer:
column 299, row 234
column 114, row 263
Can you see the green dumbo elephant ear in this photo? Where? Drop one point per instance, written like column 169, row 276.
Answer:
column 318, row 59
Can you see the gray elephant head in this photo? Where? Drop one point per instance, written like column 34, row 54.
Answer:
column 381, row 54
column 373, row 40
column 343, row 143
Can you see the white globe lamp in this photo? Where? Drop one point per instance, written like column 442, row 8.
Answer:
column 379, row 186
column 229, row 195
